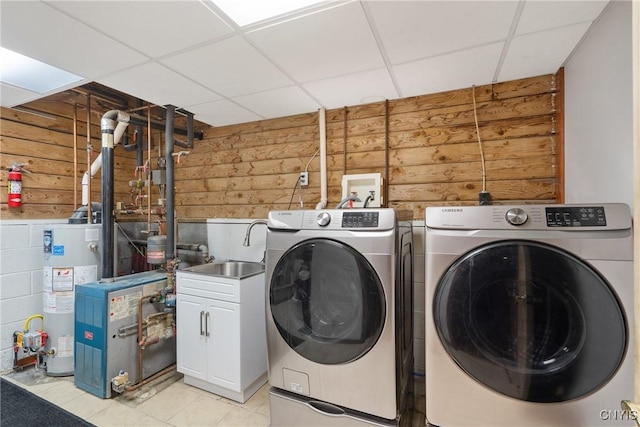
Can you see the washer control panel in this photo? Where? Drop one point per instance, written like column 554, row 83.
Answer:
column 582, row 216
column 360, row 220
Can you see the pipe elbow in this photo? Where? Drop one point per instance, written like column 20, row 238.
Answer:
column 109, row 119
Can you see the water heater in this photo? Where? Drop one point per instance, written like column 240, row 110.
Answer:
column 71, row 258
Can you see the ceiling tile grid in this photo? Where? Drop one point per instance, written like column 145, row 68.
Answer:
column 189, row 53
column 231, row 67
column 423, row 29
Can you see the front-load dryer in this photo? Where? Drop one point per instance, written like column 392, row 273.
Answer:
column 529, row 315
column 339, row 308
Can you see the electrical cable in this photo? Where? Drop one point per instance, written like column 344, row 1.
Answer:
column 312, row 157
column 475, row 115
column 293, row 193
column 484, row 198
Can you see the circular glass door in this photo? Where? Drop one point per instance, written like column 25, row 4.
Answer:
column 530, row 321
column 327, row 301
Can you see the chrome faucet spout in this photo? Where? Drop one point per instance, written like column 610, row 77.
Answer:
column 248, row 235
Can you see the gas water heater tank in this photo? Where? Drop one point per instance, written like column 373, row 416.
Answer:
column 71, row 257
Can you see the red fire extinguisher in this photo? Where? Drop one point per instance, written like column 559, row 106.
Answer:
column 15, row 185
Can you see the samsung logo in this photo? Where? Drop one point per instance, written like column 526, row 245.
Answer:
column 452, row 210
column 285, row 213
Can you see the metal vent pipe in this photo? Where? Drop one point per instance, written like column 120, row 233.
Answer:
column 171, row 196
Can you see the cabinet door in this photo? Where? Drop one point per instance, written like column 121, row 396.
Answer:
column 223, row 351
column 191, row 338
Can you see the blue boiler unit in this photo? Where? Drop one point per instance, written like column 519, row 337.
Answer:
column 106, row 332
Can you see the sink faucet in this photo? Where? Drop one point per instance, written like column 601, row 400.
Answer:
column 256, row 222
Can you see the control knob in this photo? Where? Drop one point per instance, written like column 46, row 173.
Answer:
column 323, row 219
column 516, row 216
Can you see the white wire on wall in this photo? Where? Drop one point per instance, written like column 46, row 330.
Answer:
column 475, row 115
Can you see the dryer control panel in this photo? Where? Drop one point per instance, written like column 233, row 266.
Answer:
column 574, row 216
column 552, row 217
column 360, row 219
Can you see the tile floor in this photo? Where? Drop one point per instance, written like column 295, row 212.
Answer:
column 165, row 403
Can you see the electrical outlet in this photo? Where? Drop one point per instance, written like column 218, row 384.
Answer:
column 304, row 178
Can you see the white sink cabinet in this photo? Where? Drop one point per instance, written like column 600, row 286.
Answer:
column 221, row 335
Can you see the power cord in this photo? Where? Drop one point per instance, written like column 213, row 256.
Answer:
column 294, row 192
column 484, row 198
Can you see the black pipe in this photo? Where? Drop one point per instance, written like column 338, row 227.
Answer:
column 108, row 125
column 139, row 120
column 139, row 145
column 169, row 145
column 190, row 130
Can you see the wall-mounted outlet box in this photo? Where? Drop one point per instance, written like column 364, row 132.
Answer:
column 304, row 178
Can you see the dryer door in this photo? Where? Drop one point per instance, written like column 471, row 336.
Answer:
column 530, row 321
column 327, row 301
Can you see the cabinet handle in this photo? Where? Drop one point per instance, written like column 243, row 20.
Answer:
column 206, row 324
column 201, row 318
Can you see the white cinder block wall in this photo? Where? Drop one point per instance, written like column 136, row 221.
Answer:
column 21, row 260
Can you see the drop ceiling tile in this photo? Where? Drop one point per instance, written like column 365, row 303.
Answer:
column 221, row 113
column 329, row 43
column 544, row 15
column 231, row 67
column 154, row 28
column 448, row 72
column 11, row 96
column 412, row 30
column 41, row 32
column 540, row 53
column 157, row 84
column 280, row 102
column 353, row 89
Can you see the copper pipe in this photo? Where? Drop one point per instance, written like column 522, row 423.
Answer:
column 140, row 382
column 89, row 152
column 140, row 350
column 75, row 156
column 151, row 378
column 149, row 166
column 344, row 143
column 144, row 107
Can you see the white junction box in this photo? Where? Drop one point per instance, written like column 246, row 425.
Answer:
column 368, row 185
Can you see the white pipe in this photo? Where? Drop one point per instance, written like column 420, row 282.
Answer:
column 323, row 159
column 97, row 163
column 85, row 189
column 120, row 128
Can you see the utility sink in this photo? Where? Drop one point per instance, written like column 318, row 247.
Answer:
column 233, row 269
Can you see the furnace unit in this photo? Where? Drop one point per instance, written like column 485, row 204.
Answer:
column 114, row 352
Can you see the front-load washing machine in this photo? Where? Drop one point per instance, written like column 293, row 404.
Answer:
column 529, row 315
column 339, row 322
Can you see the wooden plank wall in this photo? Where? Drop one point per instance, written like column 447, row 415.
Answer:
column 426, row 147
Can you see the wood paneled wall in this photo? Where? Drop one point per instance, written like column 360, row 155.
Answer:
column 426, row 147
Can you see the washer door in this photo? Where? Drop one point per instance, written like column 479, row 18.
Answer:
column 530, row 321
column 327, row 301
